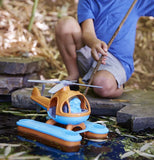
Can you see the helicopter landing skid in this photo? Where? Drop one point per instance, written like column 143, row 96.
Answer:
column 64, row 137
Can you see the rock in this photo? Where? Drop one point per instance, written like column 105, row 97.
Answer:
column 139, row 114
column 8, row 83
column 20, row 65
column 106, row 107
column 21, row 98
column 15, row 71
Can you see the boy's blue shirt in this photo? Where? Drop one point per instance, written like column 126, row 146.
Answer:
column 107, row 15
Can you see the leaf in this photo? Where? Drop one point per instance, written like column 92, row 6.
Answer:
column 25, row 158
column 119, row 100
column 130, row 136
column 96, row 140
column 112, row 119
column 101, row 122
column 16, row 154
column 145, row 147
column 117, row 131
column 96, row 158
column 7, row 151
column 45, row 158
column 127, row 154
column 3, row 144
column 143, row 154
column 14, row 145
column 8, row 144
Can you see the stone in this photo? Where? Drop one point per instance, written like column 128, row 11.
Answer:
column 9, row 83
column 105, row 107
column 21, row 98
column 139, row 114
column 15, row 65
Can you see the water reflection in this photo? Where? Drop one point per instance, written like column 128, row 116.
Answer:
column 107, row 150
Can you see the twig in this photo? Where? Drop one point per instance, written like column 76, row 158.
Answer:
column 109, row 44
column 33, row 15
column 1, row 3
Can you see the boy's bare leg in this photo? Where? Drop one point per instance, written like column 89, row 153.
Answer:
column 109, row 84
column 68, row 38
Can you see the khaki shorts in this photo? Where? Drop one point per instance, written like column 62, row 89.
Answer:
column 86, row 65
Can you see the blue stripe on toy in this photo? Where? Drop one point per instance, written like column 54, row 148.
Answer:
column 69, row 120
column 96, row 128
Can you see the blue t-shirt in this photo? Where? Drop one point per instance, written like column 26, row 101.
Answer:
column 107, row 15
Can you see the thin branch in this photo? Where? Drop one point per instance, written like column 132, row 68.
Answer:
column 33, row 15
column 1, row 3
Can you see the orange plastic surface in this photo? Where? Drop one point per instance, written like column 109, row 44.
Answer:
column 49, row 140
column 59, row 99
column 63, row 96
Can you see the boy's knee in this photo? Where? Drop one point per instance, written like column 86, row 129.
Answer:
column 109, row 87
column 109, row 91
column 65, row 25
column 105, row 91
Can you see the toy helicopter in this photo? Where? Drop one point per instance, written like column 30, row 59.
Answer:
column 68, row 111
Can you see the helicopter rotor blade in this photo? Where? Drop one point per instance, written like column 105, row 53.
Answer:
column 86, row 85
column 56, row 88
column 67, row 82
column 44, row 81
column 64, row 82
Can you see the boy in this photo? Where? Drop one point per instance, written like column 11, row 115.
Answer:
column 81, row 43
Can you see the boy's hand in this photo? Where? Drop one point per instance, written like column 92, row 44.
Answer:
column 99, row 47
column 89, row 38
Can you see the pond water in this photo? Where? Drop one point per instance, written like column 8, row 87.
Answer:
column 109, row 149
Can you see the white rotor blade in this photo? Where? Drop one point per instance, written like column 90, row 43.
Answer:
column 44, row 81
column 56, row 88
column 64, row 82
column 86, row 85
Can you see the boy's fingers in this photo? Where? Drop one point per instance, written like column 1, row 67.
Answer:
column 104, row 46
column 95, row 54
column 104, row 60
column 101, row 51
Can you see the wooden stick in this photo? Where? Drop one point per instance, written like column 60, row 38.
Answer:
column 109, row 44
column 32, row 15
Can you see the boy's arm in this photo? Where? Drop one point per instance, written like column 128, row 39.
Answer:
column 90, row 39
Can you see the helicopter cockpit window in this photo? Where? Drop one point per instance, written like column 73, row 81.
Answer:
column 52, row 111
column 65, row 108
column 75, row 105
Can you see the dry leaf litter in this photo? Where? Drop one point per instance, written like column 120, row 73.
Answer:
column 16, row 40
